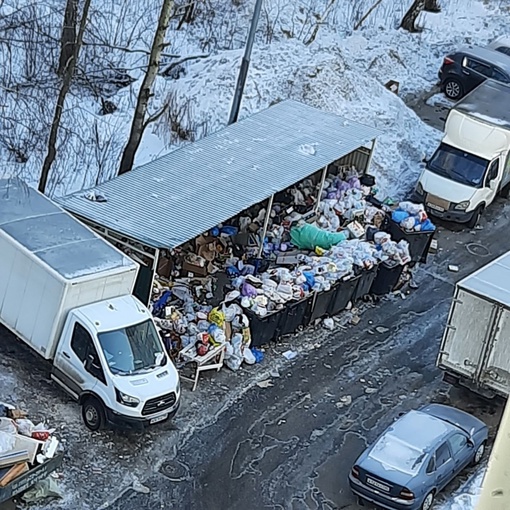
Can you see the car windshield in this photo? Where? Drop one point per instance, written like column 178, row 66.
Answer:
column 393, row 453
column 459, row 166
column 132, row 349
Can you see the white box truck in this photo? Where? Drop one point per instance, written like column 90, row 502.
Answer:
column 472, row 163
column 475, row 349
column 66, row 292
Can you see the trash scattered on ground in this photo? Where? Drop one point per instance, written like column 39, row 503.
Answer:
column 265, row 384
column 433, row 246
column 355, row 319
column 41, row 490
column 453, row 268
column 290, row 355
column 329, row 323
column 369, row 391
column 274, row 373
column 344, row 401
column 139, row 487
column 381, row 329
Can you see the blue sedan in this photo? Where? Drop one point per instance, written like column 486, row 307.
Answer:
column 417, row 456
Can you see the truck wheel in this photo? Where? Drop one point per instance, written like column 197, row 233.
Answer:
column 473, row 222
column 92, row 412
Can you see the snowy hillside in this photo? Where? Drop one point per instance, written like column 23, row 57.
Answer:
column 329, row 66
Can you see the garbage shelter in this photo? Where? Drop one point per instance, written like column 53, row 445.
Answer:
column 255, row 231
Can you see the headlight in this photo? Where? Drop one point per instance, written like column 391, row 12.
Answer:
column 419, row 189
column 126, row 400
column 462, row 206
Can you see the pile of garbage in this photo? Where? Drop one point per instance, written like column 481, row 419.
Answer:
column 187, row 325
column 317, row 272
column 412, row 218
column 23, row 446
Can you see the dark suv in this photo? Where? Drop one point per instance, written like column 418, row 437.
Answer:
column 464, row 70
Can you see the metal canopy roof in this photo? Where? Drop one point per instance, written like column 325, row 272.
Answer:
column 491, row 281
column 179, row 196
column 53, row 235
column 488, row 102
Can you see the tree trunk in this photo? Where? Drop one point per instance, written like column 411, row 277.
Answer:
column 68, row 38
column 409, row 19
column 139, row 124
column 432, row 6
column 67, row 79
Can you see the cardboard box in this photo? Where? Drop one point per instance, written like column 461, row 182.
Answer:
column 193, row 269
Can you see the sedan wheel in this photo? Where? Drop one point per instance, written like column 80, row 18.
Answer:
column 479, row 454
column 428, row 501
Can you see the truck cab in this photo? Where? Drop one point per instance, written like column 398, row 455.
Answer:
column 111, row 359
column 472, row 164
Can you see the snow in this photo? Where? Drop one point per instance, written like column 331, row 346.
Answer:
column 466, row 497
column 395, row 454
column 340, row 70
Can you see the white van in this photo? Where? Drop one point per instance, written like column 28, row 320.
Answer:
column 471, row 165
column 66, row 293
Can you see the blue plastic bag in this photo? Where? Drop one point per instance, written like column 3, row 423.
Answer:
column 399, row 216
column 259, row 355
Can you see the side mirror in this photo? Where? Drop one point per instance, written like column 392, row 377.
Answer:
column 470, row 443
column 89, row 362
column 425, row 160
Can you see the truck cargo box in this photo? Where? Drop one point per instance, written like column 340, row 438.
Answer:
column 476, row 342
column 51, row 263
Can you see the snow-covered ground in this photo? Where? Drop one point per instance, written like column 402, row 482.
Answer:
column 466, row 497
column 341, row 70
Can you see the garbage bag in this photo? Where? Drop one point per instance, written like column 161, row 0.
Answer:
column 249, row 357
column 7, row 442
column 217, row 317
column 399, row 216
column 47, row 488
column 308, row 237
column 258, row 354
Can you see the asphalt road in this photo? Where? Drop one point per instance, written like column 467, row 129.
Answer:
column 291, row 446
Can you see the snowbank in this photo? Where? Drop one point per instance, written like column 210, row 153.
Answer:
column 339, row 70
column 466, row 497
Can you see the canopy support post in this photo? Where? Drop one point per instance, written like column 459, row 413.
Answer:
column 266, row 223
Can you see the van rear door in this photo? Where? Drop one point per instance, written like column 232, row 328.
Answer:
column 496, row 370
column 466, row 333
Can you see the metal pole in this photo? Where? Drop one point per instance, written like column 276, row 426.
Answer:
column 321, row 187
column 370, row 156
column 266, row 223
column 496, row 484
column 245, row 64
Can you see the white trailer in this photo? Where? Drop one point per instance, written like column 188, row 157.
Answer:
column 475, row 349
column 66, row 292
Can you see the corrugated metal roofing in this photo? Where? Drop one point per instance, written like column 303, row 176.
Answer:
column 53, row 235
column 491, row 281
column 175, row 198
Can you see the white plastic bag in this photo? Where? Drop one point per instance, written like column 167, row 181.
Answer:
column 7, row 442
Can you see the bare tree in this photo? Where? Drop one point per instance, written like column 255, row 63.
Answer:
column 139, row 119
column 432, row 6
column 59, row 107
column 68, row 38
column 409, row 20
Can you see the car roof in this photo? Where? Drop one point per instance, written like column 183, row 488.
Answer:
column 494, row 57
column 420, row 430
column 502, row 40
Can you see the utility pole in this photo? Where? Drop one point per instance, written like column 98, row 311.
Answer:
column 245, row 64
column 496, row 484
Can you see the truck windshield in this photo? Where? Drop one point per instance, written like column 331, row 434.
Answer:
column 458, row 166
column 132, row 349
